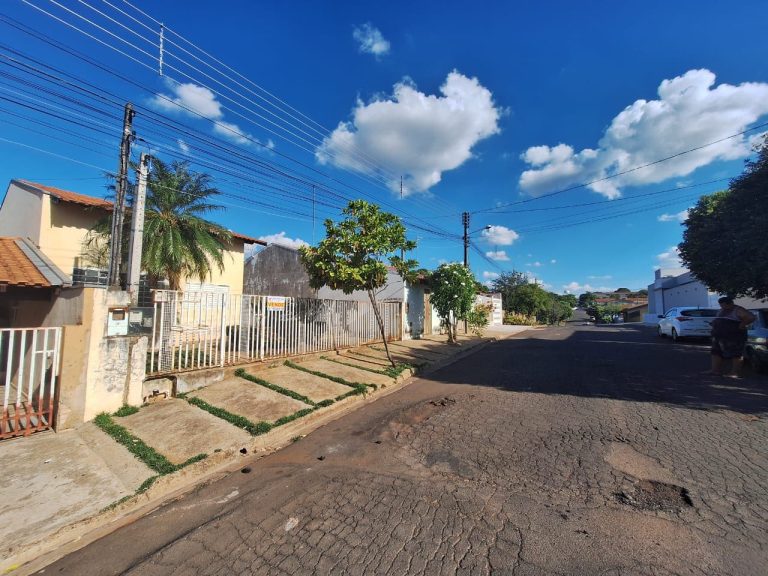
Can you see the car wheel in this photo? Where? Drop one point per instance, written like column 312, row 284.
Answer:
column 675, row 337
column 660, row 332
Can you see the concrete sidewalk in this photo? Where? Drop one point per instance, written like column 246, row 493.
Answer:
column 59, row 487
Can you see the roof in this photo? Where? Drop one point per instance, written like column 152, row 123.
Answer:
column 66, row 195
column 23, row 264
column 82, row 199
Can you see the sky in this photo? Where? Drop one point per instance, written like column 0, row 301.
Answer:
column 575, row 134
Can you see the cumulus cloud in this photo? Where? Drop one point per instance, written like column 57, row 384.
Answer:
column 690, row 111
column 679, row 217
column 500, row 255
column 194, row 100
column 283, row 240
column 500, row 235
column 490, row 275
column 669, row 259
column 414, row 134
column 183, row 146
column 371, row 40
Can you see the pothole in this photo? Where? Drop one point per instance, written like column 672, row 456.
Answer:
column 656, row 496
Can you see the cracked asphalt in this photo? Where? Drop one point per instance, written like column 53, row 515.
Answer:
column 571, row 450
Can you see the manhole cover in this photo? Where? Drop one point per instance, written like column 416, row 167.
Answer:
column 651, row 495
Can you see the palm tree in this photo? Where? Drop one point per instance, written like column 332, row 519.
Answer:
column 178, row 241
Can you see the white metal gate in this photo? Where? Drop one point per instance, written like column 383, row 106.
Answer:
column 193, row 330
column 29, row 368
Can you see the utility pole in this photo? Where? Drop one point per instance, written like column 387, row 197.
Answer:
column 137, row 230
column 465, row 222
column 118, row 213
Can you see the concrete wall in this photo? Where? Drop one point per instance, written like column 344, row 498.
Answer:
column 413, row 326
column 20, row 213
column 233, row 273
column 277, row 271
column 99, row 373
column 65, row 226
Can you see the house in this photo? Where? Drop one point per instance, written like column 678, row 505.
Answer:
column 33, row 290
column 57, row 222
column 278, row 271
column 679, row 287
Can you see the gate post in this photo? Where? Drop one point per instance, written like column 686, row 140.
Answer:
column 223, row 331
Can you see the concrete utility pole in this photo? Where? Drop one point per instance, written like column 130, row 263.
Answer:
column 118, row 213
column 137, row 229
column 465, row 222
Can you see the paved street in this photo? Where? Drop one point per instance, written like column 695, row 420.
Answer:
column 578, row 450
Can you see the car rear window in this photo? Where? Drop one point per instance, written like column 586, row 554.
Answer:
column 700, row 313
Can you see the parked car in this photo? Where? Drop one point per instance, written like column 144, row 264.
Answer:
column 756, row 350
column 686, row 322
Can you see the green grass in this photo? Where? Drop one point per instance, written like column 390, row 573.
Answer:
column 285, row 391
column 254, row 429
column 329, row 377
column 391, row 371
column 151, row 457
column 126, row 410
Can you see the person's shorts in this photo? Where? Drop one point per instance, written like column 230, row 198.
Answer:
column 728, row 347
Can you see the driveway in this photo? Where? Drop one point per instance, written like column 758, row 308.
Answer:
column 571, row 450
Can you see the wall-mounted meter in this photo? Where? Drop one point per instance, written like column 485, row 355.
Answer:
column 117, row 322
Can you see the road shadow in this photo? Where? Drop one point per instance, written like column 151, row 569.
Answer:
column 623, row 362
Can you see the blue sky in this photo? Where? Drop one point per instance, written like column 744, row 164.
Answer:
column 505, row 110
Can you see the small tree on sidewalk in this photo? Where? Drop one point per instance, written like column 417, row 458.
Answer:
column 353, row 254
column 453, row 295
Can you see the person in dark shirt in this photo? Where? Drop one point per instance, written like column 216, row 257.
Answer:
column 729, row 335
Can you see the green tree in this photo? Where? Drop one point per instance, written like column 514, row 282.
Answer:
column 453, row 295
column 530, row 300
column 355, row 253
column 569, row 299
column 506, row 284
column 587, row 300
column 178, row 241
column 724, row 243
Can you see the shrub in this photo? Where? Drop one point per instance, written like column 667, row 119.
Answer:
column 516, row 319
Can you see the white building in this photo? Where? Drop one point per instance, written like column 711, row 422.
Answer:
column 678, row 287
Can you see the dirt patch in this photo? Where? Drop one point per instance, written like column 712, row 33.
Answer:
column 656, row 496
column 415, row 415
column 623, row 457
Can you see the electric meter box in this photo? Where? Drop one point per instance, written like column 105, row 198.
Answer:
column 117, row 322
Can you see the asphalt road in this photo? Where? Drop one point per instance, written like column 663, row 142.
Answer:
column 578, row 450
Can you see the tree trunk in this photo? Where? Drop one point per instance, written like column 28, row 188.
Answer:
column 380, row 322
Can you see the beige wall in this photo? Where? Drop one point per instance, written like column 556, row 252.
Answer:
column 64, row 228
column 234, row 268
column 20, row 213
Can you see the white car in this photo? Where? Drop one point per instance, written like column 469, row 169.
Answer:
column 687, row 322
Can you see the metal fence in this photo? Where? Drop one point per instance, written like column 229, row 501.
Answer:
column 29, row 367
column 193, row 330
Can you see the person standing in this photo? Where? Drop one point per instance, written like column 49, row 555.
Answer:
column 729, row 335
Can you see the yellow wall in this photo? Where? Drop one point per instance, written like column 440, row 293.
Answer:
column 64, row 228
column 234, row 268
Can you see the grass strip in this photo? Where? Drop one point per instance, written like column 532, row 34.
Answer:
column 329, row 377
column 126, row 410
column 254, row 429
column 151, row 457
column 295, row 395
column 391, row 371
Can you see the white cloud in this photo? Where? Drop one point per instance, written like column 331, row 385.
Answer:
column 193, row 100
column 689, row 112
column 371, row 40
column 669, row 259
column 605, row 277
column 536, row 280
column 577, row 288
column 413, row 134
column 553, row 261
column 183, row 146
column 500, row 255
column 281, row 239
column 679, row 217
column 500, row 235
